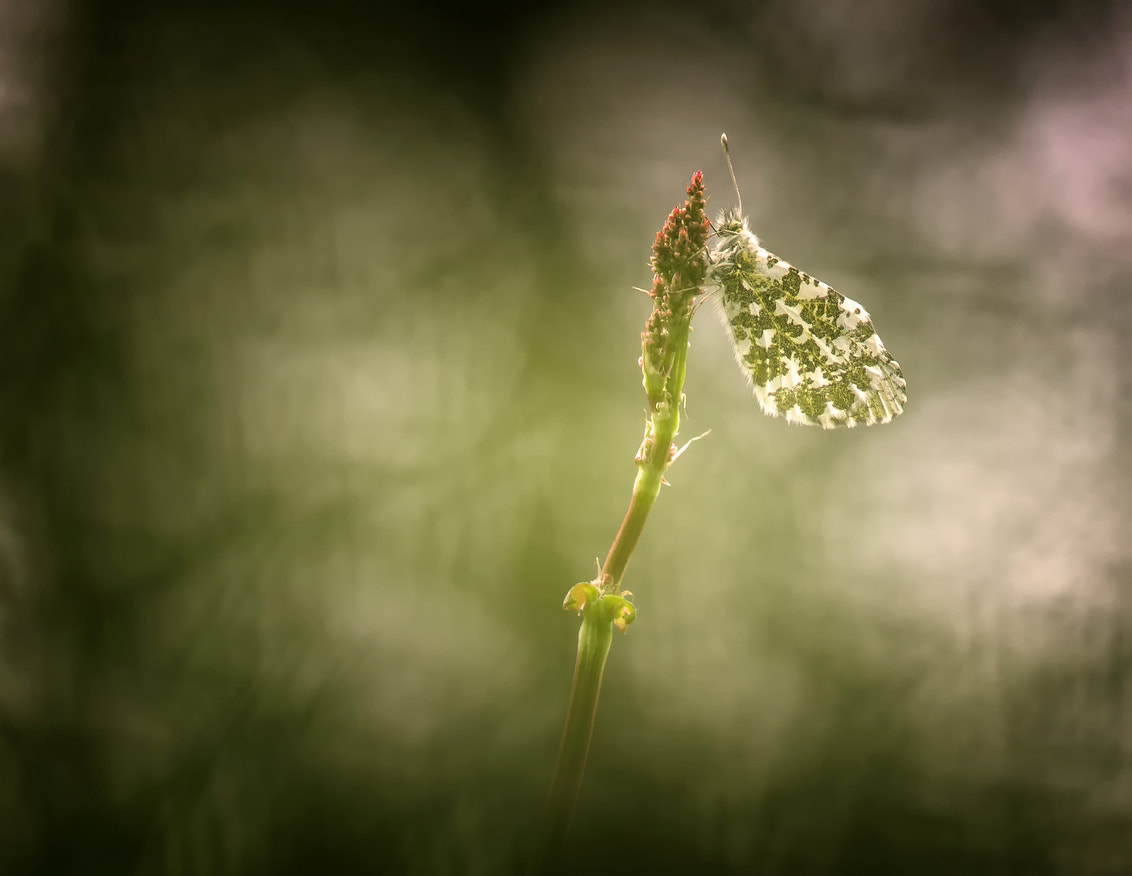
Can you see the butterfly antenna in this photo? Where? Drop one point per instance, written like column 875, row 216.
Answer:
column 731, row 170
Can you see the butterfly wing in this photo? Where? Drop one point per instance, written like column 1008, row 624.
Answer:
column 811, row 354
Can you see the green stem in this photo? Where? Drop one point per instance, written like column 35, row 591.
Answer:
column 680, row 264
column 650, row 477
column 594, row 639
column 645, row 490
column 596, row 633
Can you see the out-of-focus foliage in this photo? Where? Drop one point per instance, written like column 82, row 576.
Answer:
column 318, row 389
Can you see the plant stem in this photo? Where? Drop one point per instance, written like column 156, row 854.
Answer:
column 594, row 639
column 650, row 476
column 596, row 633
column 679, row 266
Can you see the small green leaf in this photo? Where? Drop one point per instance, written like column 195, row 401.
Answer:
column 580, row 596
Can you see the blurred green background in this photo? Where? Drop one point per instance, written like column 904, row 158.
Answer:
column 318, row 390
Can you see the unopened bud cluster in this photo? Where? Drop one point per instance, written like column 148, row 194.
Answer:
column 679, row 264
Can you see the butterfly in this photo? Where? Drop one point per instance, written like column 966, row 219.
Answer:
column 812, row 355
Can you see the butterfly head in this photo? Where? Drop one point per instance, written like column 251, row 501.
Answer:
column 731, row 221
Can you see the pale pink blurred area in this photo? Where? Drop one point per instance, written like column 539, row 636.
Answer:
column 34, row 37
column 1052, row 175
column 1080, row 131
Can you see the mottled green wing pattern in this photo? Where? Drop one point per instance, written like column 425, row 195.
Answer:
column 812, row 354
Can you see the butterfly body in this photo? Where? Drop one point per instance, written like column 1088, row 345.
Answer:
column 811, row 354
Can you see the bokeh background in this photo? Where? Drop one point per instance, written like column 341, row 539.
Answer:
column 318, row 390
